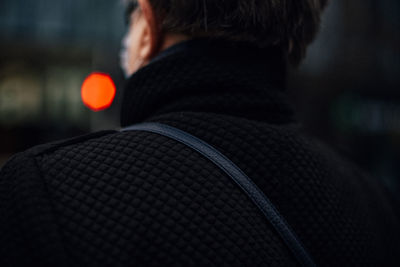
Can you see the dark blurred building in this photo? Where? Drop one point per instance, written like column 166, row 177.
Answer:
column 47, row 48
column 347, row 92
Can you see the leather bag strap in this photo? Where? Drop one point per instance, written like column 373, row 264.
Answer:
column 240, row 178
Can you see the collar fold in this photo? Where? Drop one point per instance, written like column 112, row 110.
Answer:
column 209, row 76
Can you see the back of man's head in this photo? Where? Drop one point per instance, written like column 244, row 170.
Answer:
column 289, row 24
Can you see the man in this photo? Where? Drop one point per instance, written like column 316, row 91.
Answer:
column 216, row 70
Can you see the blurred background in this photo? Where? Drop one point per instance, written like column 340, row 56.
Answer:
column 346, row 93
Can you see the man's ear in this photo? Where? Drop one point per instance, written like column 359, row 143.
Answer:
column 152, row 38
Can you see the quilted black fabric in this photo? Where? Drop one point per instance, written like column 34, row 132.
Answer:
column 140, row 199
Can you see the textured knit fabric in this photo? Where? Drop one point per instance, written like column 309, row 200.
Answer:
column 140, row 199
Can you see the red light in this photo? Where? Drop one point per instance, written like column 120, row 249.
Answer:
column 98, row 91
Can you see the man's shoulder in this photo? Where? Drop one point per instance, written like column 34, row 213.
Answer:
column 87, row 153
column 51, row 147
column 102, row 146
column 92, row 142
column 19, row 160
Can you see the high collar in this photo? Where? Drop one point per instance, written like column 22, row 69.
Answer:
column 209, row 76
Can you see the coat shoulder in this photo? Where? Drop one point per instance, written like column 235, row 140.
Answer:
column 26, row 158
column 53, row 146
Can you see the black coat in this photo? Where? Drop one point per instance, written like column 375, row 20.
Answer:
column 140, row 199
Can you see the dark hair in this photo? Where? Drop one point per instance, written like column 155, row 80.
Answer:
column 289, row 24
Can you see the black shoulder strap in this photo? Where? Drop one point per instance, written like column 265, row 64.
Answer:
column 256, row 195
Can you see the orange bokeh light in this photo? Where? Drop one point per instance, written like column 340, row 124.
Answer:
column 98, row 91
